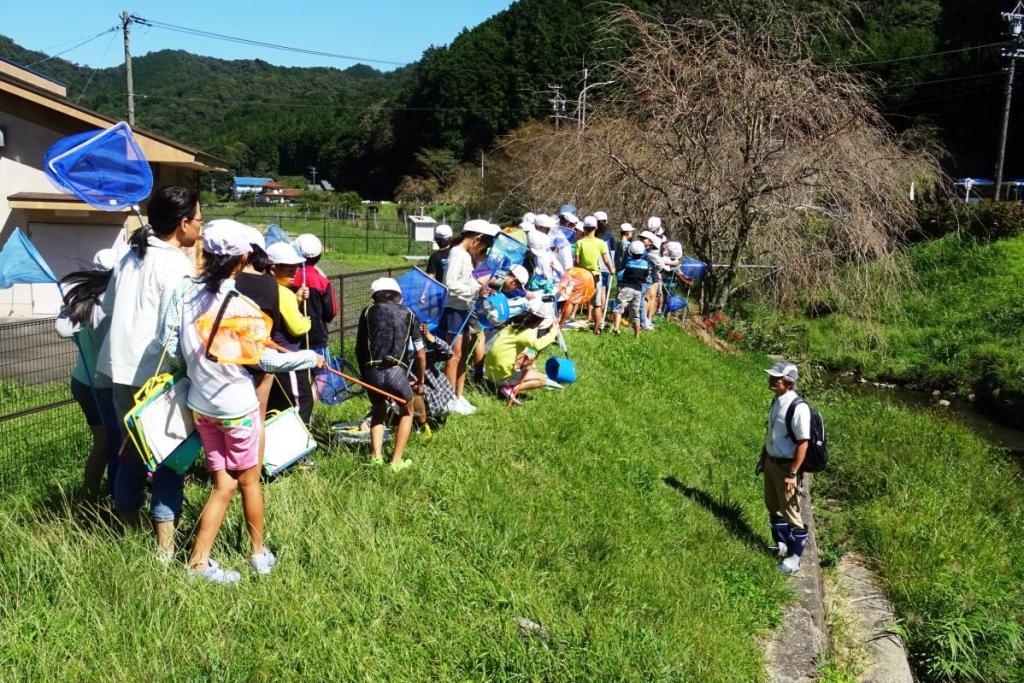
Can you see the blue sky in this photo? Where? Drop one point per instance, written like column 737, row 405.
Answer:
column 389, row 30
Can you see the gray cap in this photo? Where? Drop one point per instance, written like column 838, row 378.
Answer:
column 785, row 369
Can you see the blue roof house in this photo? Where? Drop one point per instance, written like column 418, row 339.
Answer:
column 244, row 185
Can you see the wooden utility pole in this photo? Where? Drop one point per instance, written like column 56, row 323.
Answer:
column 126, row 26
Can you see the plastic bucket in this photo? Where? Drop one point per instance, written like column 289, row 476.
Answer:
column 693, row 269
column 561, row 370
column 492, row 311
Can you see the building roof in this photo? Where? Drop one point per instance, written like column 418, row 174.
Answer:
column 26, row 97
column 272, row 185
column 249, row 181
column 327, row 185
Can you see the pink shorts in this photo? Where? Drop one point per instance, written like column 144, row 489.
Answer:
column 233, row 444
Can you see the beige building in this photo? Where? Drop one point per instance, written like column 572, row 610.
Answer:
column 34, row 114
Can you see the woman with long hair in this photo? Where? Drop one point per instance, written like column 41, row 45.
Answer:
column 136, row 300
column 82, row 319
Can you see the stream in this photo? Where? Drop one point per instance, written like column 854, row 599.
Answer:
column 973, row 415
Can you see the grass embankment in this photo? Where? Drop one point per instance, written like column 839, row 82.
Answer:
column 621, row 514
column 964, row 321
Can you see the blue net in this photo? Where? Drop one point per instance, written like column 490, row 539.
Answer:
column 424, row 295
column 505, row 253
column 104, row 168
column 692, row 268
column 275, row 234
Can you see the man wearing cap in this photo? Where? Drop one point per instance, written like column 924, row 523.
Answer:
column 319, row 302
column 438, row 261
column 591, row 254
column 781, row 458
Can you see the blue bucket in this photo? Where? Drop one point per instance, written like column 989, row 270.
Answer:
column 693, row 269
column 561, row 370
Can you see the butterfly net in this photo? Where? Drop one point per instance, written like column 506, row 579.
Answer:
column 241, row 335
column 424, row 295
column 106, row 168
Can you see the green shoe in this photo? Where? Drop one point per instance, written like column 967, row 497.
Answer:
column 401, row 465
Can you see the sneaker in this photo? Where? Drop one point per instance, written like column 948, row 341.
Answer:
column 426, row 433
column 164, row 557
column 401, row 465
column 377, row 461
column 463, row 407
column 214, row 574
column 790, row 565
column 551, row 384
column 452, row 406
column 648, row 326
column 263, row 561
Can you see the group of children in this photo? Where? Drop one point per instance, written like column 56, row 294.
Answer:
column 145, row 309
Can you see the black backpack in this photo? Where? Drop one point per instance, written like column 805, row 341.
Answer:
column 816, row 459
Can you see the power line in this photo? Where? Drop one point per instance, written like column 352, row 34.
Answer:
column 291, row 103
column 933, row 54
column 258, row 43
column 96, row 68
column 970, row 77
column 74, row 47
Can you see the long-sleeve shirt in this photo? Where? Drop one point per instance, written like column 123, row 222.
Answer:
column 500, row 361
column 322, row 305
column 462, row 286
column 136, row 300
column 294, row 325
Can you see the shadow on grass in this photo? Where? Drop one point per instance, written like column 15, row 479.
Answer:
column 729, row 513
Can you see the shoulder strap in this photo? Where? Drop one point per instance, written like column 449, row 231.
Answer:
column 216, row 323
column 790, row 412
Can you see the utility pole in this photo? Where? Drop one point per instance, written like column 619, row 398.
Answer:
column 481, row 163
column 581, row 108
column 312, row 170
column 126, row 26
column 557, row 103
column 1014, row 51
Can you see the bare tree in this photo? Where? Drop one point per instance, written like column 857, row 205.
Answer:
column 751, row 151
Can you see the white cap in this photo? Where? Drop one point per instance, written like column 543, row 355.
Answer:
column 226, row 238
column 519, row 273
column 528, row 217
column 784, row 369
column 538, row 241
column 104, row 259
column 309, row 245
column 219, row 224
column 284, row 254
column 481, row 227
column 255, row 237
column 385, row 284
column 538, row 307
column 590, row 222
column 570, row 218
column 626, row 227
column 648, row 235
column 674, row 249
column 443, row 232
column 637, row 248
column 600, row 215
column 653, row 223
column 527, row 227
column 545, row 221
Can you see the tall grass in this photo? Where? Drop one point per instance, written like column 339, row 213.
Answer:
column 620, row 514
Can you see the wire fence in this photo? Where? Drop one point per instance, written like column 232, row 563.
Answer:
column 41, row 426
column 340, row 233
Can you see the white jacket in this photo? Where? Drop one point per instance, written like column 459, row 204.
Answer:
column 458, row 278
column 136, row 301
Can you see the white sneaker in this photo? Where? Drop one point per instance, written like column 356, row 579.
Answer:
column 790, row 565
column 452, row 406
column 460, row 406
column 467, row 406
column 262, row 562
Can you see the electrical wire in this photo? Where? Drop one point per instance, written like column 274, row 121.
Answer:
column 292, row 104
column 74, row 47
column 96, row 68
column 969, row 77
column 933, row 54
column 258, row 43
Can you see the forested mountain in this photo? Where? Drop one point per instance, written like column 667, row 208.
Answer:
column 363, row 128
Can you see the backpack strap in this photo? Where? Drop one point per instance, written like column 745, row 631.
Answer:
column 790, row 412
column 216, row 323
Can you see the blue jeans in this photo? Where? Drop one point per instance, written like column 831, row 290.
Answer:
column 130, row 485
column 643, row 303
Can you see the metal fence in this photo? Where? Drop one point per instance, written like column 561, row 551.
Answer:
column 41, row 425
column 340, row 234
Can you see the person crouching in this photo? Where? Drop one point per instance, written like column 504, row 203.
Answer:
column 509, row 361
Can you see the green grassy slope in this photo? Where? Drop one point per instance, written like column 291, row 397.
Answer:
column 621, row 514
column 964, row 321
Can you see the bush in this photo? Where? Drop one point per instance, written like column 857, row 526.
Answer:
column 986, row 221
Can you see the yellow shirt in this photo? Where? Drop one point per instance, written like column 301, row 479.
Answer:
column 295, row 323
column 500, row 361
column 590, row 252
